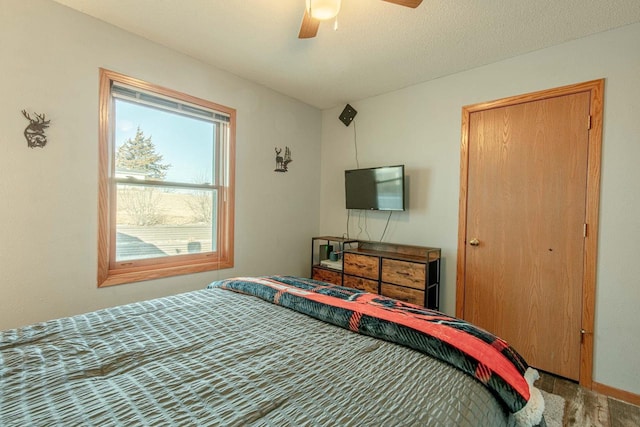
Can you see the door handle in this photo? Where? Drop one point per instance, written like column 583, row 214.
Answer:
column 474, row 242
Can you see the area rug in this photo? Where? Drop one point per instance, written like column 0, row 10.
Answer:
column 553, row 409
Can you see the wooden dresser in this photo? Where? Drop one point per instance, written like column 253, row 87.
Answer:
column 404, row 272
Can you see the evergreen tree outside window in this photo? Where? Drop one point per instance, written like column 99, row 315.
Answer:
column 166, row 182
column 139, row 153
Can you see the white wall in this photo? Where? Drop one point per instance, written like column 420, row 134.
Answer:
column 50, row 57
column 419, row 126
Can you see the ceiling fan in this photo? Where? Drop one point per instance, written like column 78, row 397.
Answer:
column 321, row 10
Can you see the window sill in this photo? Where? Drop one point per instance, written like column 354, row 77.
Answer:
column 122, row 276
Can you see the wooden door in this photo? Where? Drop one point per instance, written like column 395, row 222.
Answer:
column 524, row 234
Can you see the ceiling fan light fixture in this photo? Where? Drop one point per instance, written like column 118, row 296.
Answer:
column 323, row 9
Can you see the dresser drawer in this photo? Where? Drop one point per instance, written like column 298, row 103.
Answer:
column 328, row 276
column 361, row 265
column 404, row 273
column 360, row 283
column 409, row 295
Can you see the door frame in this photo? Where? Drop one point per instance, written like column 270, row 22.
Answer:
column 595, row 121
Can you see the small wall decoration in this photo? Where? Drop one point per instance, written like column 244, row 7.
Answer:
column 282, row 162
column 34, row 132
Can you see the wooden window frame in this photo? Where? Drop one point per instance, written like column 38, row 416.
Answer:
column 109, row 272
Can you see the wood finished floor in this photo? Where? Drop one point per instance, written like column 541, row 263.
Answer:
column 587, row 408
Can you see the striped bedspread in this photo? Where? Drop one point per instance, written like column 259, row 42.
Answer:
column 219, row 358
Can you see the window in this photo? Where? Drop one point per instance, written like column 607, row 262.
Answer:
column 166, row 170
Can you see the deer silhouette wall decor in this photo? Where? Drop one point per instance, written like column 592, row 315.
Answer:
column 283, row 162
column 34, row 132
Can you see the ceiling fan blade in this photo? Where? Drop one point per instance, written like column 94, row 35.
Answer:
column 408, row 3
column 309, row 27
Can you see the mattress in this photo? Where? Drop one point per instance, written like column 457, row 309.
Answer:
column 216, row 357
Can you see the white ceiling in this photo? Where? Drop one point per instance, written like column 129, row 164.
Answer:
column 378, row 47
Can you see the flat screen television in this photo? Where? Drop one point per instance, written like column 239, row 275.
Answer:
column 380, row 188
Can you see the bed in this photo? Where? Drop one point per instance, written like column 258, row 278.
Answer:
column 265, row 351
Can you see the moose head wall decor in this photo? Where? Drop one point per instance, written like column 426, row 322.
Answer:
column 34, row 132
